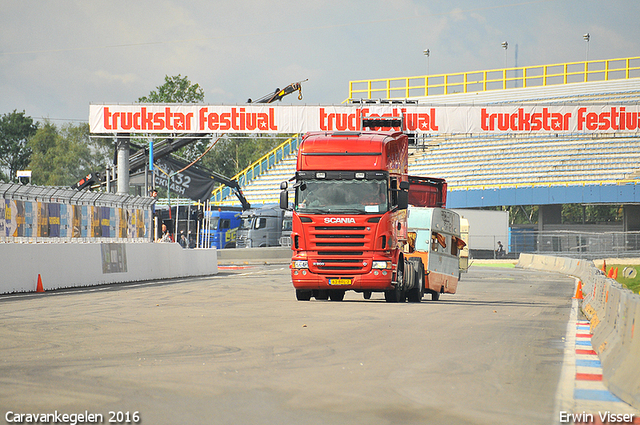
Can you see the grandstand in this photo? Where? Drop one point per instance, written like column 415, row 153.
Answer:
column 503, row 169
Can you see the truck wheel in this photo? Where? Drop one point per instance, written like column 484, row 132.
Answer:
column 336, row 295
column 303, row 294
column 435, row 296
column 396, row 295
column 415, row 294
column 321, row 294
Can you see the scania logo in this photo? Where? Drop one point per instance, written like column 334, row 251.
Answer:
column 343, row 220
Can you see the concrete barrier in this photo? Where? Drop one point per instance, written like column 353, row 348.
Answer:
column 272, row 255
column 624, row 379
column 613, row 313
column 67, row 265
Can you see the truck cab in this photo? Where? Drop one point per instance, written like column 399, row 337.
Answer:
column 260, row 227
column 287, row 226
column 349, row 214
column 220, row 228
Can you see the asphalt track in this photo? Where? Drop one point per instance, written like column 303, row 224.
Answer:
column 237, row 348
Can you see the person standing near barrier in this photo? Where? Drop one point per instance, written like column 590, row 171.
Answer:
column 183, row 240
column 166, row 236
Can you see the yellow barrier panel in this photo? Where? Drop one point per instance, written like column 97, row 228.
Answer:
column 496, row 79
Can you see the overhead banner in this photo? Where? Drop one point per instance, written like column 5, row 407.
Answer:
column 190, row 119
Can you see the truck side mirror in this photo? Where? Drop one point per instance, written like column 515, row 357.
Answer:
column 403, row 196
column 284, row 196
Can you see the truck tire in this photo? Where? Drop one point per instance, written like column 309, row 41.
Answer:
column 414, row 295
column 336, row 295
column 321, row 294
column 303, row 294
column 397, row 295
column 435, row 296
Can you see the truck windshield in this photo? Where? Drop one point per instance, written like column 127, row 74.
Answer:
column 245, row 222
column 213, row 223
column 356, row 196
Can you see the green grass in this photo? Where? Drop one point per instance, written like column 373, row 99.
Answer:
column 632, row 284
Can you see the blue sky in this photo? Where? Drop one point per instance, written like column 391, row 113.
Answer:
column 57, row 57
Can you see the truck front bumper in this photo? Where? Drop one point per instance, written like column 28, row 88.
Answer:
column 375, row 280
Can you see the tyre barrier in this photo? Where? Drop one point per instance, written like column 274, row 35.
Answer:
column 613, row 313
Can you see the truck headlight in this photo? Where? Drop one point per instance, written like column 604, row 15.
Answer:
column 301, row 264
column 381, row 265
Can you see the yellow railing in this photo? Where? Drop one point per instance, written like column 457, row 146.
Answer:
column 495, row 79
column 258, row 167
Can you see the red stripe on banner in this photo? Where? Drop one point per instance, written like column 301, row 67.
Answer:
column 593, row 353
column 583, row 335
column 588, row 377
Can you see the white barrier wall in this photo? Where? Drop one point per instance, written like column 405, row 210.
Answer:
column 66, row 265
column 613, row 312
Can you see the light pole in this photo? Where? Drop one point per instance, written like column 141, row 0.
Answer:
column 586, row 38
column 427, row 52
column 505, row 46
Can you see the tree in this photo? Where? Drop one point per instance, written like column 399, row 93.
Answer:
column 233, row 154
column 62, row 156
column 15, row 131
column 176, row 89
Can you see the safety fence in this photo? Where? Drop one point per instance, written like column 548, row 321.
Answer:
column 42, row 214
column 496, row 79
column 587, row 245
column 613, row 312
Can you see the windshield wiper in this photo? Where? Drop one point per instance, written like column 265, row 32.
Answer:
column 313, row 210
column 349, row 211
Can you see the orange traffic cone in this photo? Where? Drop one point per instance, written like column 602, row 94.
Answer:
column 578, row 295
column 610, row 274
column 39, row 287
column 604, row 267
column 615, row 273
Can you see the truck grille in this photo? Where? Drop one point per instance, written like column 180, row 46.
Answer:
column 338, row 264
column 241, row 242
column 340, row 248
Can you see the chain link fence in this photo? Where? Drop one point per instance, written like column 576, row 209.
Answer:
column 587, row 245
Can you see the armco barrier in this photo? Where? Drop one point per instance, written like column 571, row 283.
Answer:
column 66, row 265
column 613, row 313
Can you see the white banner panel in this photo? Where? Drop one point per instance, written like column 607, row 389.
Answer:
column 178, row 118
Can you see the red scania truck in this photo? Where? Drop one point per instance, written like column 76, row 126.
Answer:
column 349, row 225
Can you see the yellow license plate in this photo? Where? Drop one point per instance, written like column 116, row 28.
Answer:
column 339, row 281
